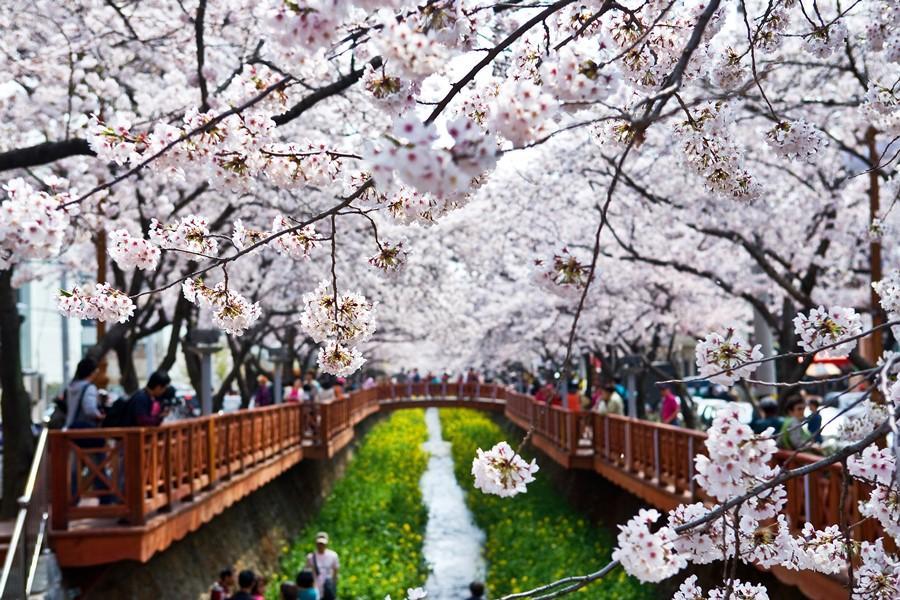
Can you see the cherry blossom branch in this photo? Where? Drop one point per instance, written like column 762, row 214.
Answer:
column 577, row 582
column 345, row 202
column 784, row 355
column 495, row 51
column 186, row 136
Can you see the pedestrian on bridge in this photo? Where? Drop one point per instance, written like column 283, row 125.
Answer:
column 263, row 395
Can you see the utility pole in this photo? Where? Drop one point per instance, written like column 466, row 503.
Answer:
column 874, row 244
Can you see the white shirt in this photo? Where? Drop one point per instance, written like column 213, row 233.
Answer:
column 328, row 563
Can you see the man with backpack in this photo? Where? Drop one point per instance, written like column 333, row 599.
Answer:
column 143, row 408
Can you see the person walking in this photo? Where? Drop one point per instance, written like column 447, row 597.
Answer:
column 83, row 412
column 614, row 403
column 81, row 397
column 295, row 393
column 324, row 563
column 263, row 395
column 246, row 579
column 221, row 589
column 669, row 408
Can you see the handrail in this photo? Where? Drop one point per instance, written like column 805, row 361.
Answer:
column 148, row 469
column 18, row 582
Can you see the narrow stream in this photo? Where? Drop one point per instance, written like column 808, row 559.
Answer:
column 453, row 542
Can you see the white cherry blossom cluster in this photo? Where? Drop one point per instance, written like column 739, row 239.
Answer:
column 796, row 140
column 726, row 351
column 390, row 258
column 339, row 360
column 114, row 140
column 825, row 327
column 229, row 152
column 394, row 94
column 563, row 275
column 888, row 290
column 770, row 34
column 243, row 236
column 571, row 77
column 32, row 223
column 300, row 28
column 738, row 461
column 521, row 112
column 824, row 40
column 411, row 52
column 868, row 418
column 232, row 312
column 447, row 173
column 649, row 556
column 131, row 252
column 340, row 324
column 302, row 164
column 502, row 472
column 98, row 303
column 728, row 72
column 878, row 578
column 710, row 151
column 296, row 244
column 736, row 589
column 878, row 468
column 191, row 233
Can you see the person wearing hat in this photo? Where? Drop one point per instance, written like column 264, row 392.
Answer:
column 324, row 564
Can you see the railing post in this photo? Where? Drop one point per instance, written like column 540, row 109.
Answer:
column 628, row 465
column 606, row 436
column 134, row 474
column 60, row 478
column 211, row 446
column 656, row 453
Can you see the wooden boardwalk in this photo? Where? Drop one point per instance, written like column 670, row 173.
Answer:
column 125, row 494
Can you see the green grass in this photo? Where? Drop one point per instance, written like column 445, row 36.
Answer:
column 374, row 515
column 532, row 538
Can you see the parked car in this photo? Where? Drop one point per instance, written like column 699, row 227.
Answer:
column 706, row 409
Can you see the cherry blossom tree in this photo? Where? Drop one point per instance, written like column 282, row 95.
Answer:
column 540, row 177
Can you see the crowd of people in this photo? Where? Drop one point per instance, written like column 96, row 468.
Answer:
column 317, row 580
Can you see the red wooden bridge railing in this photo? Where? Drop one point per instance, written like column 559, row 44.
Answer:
column 132, row 474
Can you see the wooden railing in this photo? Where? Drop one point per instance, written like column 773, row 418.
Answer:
column 132, row 473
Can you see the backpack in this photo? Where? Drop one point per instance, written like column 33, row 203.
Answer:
column 120, row 414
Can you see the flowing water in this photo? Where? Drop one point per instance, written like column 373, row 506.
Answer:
column 453, row 542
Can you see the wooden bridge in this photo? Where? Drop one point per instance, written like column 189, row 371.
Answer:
column 125, row 494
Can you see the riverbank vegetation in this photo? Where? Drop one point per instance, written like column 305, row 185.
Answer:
column 374, row 515
column 533, row 538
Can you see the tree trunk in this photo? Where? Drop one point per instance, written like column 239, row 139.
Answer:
column 18, row 440
column 127, row 371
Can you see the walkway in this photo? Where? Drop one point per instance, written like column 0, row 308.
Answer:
column 138, row 490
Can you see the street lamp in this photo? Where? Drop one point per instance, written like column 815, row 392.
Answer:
column 205, row 342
